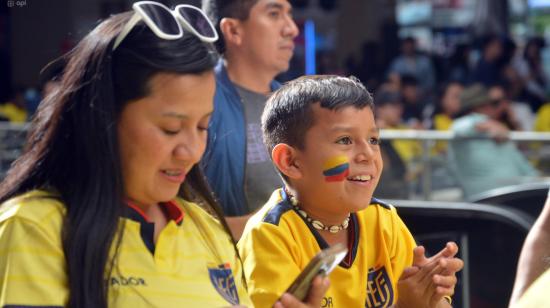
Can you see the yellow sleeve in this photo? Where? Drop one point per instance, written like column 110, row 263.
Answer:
column 542, row 121
column 269, row 263
column 402, row 246
column 537, row 294
column 32, row 267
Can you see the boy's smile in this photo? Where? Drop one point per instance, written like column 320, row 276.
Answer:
column 340, row 164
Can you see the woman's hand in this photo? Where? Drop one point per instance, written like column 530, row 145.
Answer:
column 318, row 289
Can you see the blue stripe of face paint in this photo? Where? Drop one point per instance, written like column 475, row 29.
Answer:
column 336, row 170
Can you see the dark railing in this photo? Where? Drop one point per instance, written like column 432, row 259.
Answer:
column 489, row 237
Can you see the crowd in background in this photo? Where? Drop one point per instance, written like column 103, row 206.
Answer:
column 429, row 85
column 426, row 82
column 415, row 90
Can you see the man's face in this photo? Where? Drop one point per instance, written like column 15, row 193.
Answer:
column 499, row 102
column 268, row 35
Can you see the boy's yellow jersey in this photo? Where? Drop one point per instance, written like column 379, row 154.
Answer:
column 192, row 264
column 277, row 244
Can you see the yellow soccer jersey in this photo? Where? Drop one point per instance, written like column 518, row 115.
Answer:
column 536, row 295
column 277, row 244
column 193, row 263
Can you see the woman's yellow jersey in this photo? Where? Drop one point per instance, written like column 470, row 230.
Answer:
column 192, row 264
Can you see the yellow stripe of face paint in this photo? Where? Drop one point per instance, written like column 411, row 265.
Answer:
column 335, row 161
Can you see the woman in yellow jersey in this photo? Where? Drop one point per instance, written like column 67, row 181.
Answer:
column 108, row 206
column 446, row 110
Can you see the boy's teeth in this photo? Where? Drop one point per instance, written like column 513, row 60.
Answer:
column 362, row 178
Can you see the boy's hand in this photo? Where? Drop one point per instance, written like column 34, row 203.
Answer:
column 318, row 289
column 429, row 279
column 450, row 250
column 446, row 280
column 415, row 286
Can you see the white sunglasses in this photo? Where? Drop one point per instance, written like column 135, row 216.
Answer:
column 170, row 24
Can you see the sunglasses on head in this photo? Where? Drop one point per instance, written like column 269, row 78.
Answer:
column 170, row 24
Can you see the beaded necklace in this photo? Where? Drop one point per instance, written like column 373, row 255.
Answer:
column 316, row 224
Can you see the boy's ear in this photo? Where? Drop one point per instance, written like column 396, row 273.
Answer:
column 284, row 158
column 231, row 30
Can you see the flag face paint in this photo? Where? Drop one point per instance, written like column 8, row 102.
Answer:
column 336, row 168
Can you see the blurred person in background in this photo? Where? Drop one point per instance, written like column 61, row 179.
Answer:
column 412, row 62
column 388, row 111
column 448, row 107
column 515, row 115
column 530, row 69
column 413, row 104
column 542, row 124
column 446, row 110
column 257, row 43
column 488, row 68
column 459, row 65
column 542, row 119
column 490, row 160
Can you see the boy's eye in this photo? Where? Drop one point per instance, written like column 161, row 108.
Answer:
column 374, row 141
column 344, row 140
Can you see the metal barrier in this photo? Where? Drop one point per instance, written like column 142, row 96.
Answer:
column 12, row 137
column 428, row 138
column 12, row 140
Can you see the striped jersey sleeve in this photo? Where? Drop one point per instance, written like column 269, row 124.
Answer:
column 32, row 266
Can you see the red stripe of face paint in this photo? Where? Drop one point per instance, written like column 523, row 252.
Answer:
column 337, row 178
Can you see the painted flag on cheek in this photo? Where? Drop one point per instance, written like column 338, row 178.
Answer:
column 336, row 169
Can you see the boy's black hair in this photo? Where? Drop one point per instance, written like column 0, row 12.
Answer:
column 288, row 115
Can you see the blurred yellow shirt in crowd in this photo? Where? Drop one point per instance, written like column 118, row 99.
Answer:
column 542, row 122
column 408, row 150
column 13, row 113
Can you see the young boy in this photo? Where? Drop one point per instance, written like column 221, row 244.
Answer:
column 324, row 142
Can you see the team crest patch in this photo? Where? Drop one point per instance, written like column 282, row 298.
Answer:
column 379, row 289
column 222, row 279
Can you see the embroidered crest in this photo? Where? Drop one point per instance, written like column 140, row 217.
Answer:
column 379, row 289
column 222, row 279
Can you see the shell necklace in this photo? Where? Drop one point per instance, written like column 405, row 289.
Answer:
column 316, row 224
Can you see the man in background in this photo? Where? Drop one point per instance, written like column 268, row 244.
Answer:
column 257, row 43
column 485, row 159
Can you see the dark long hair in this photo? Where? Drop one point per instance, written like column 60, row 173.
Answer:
column 73, row 149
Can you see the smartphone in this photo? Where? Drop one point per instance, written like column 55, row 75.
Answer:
column 322, row 264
